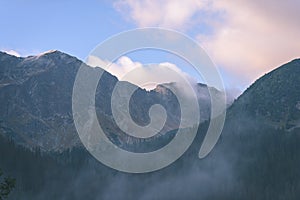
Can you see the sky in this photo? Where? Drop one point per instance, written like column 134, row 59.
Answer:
column 245, row 39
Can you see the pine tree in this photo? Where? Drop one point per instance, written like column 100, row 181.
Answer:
column 6, row 185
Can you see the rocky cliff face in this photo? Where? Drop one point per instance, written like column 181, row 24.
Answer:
column 36, row 93
column 36, row 98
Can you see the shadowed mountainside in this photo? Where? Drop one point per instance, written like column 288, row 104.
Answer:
column 257, row 156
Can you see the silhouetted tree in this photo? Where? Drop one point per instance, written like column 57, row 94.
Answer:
column 6, row 185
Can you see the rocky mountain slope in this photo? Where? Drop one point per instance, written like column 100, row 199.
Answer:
column 274, row 99
column 254, row 158
column 36, row 98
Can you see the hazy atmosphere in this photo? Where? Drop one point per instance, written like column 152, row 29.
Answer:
column 150, row 100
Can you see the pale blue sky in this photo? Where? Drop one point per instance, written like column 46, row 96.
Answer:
column 236, row 35
column 75, row 27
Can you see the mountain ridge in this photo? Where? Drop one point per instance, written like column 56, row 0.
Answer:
column 37, row 94
column 274, row 97
column 251, row 160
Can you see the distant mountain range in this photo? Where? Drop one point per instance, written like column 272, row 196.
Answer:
column 37, row 94
column 257, row 156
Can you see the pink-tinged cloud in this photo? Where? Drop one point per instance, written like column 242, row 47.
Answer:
column 256, row 37
column 175, row 14
column 247, row 39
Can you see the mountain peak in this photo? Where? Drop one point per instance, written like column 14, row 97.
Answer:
column 54, row 55
column 296, row 60
column 4, row 53
column 50, row 52
column 274, row 97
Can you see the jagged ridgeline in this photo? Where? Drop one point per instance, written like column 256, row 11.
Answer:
column 36, row 94
column 257, row 156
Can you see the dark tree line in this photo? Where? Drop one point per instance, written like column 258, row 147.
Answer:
column 265, row 165
column 6, row 185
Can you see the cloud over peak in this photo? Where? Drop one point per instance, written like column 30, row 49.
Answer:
column 12, row 52
column 245, row 38
column 142, row 75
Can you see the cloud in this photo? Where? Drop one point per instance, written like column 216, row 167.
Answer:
column 12, row 52
column 168, row 13
column 245, row 38
column 145, row 76
column 256, row 36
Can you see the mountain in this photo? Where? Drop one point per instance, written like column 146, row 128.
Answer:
column 36, row 94
column 274, row 98
column 261, row 136
column 255, row 158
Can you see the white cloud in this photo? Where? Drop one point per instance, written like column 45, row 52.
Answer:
column 247, row 38
column 256, row 37
column 12, row 52
column 145, row 76
column 167, row 13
